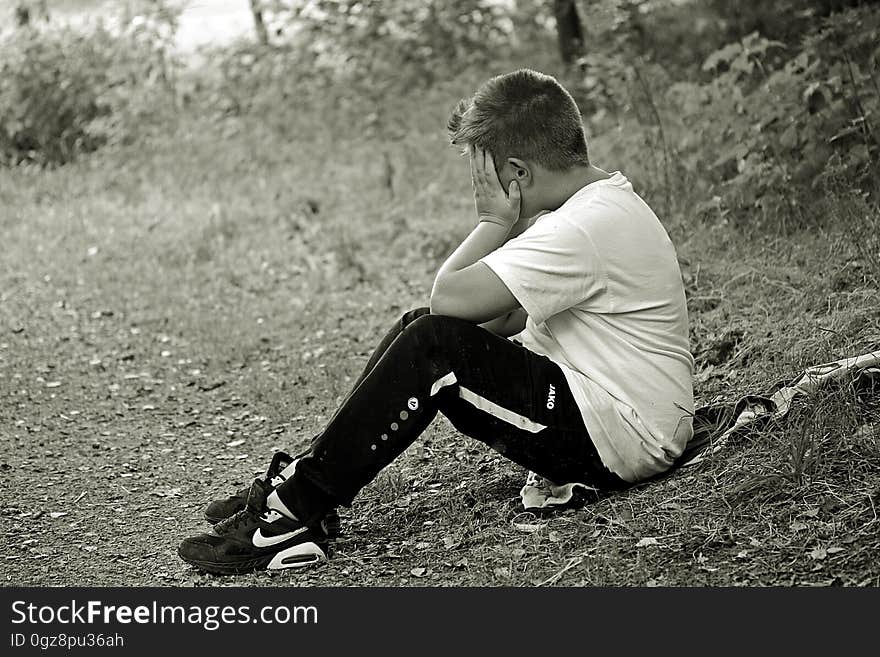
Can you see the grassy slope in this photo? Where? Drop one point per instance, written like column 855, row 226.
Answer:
column 172, row 313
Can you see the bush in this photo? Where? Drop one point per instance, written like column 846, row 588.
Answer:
column 360, row 58
column 781, row 121
column 762, row 125
column 49, row 96
column 65, row 91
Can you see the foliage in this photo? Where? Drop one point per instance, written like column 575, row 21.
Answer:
column 775, row 121
column 762, row 124
column 407, row 38
column 360, row 57
column 65, row 91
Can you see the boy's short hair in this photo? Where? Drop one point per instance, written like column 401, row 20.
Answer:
column 522, row 114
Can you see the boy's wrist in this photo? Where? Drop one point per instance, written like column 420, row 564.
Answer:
column 485, row 217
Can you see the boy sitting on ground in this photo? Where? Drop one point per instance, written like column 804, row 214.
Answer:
column 597, row 389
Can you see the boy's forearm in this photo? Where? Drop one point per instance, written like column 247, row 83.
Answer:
column 475, row 246
column 484, row 238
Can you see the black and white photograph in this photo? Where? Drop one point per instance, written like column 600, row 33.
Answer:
column 438, row 294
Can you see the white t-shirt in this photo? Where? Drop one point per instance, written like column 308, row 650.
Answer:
column 600, row 282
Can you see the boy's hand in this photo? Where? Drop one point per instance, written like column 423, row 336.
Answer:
column 493, row 205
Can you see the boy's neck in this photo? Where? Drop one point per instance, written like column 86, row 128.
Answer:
column 559, row 188
column 564, row 185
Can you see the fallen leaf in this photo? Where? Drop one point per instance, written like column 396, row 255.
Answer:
column 53, row 384
column 166, row 492
column 235, row 443
column 57, row 514
column 529, row 528
column 797, row 526
column 648, row 540
column 418, row 572
column 818, row 554
column 834, row 549
column 704, row 375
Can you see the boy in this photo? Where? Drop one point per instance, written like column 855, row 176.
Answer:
column 598, row 387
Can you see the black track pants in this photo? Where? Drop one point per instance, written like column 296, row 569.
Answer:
column 491, row 389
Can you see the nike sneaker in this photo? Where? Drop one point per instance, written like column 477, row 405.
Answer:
column 256, row 538
column 281, row 467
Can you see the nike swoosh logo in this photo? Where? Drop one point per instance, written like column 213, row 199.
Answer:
column 261, row 541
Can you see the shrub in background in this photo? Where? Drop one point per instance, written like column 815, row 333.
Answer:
column 758, row 128
column 66, row 91
column 50, row 87
column 361, row 58
column 784, row 120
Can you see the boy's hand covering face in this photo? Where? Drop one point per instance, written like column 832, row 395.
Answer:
column 492, row 204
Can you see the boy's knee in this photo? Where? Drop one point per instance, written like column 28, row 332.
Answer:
column 412, row 315
column 439, row 328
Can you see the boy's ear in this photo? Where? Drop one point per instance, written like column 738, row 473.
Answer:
column 522, row 172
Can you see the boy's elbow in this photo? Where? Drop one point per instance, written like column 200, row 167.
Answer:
column 439, row 303
column 443, row 300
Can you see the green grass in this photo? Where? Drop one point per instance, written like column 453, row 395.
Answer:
column 162, row 302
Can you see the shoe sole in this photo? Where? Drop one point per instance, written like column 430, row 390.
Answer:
column 294, row 557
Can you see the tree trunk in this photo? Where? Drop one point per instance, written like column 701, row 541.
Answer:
column 259, row 24
column 568, row 30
